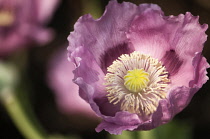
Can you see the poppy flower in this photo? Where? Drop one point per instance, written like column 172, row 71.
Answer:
column 136, row 67
column 22, row 22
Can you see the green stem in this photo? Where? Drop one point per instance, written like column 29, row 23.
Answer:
column 147, row 134
column 29, row 127
column 136, row 135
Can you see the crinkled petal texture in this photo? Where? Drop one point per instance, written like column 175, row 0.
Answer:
column 25, row 23
column 176, row 41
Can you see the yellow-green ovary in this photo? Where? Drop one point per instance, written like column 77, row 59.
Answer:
column 136, row 80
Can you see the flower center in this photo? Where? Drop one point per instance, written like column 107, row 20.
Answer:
column 136, row 80
column 6, row 18
column 137, row 83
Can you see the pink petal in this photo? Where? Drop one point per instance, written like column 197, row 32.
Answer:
column 114, row 128
column 121, row 121
column 148, row 32
column 200, row 65
column 97, row 36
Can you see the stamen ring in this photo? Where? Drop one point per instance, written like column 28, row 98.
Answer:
column 136, row 81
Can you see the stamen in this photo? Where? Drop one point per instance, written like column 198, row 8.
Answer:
column 136, row 81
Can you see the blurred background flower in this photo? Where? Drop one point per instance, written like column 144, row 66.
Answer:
column 60, row 77
column 192, row 123
column 23, row 22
